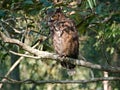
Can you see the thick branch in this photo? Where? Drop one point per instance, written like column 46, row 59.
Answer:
column 24, row 46
column 47, row 55
column 30, row 81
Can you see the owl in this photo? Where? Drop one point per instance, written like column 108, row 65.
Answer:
column 64, row 37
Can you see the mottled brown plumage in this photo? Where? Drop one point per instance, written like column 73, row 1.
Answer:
column 64, row 37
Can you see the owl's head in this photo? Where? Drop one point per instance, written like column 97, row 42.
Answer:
column 56, row 15
column 58, row 10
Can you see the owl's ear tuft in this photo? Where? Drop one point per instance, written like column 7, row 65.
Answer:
column 58, row 9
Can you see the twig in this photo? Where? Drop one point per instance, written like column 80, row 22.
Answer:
column 14, row 29
column 38, row 82
column 24, row 55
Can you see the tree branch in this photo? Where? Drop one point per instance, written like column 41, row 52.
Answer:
column 14, row 65
column 46, row 55
column 24, row 55
column 14, row 29
column 38, row 82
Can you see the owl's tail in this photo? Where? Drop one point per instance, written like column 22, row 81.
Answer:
column 70, row 68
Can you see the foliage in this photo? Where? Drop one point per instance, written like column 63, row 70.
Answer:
column 98, row 23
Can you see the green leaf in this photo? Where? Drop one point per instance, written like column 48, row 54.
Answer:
column 90, row 3
column 2, row 13
column 94, row 1
column 28, row 2
column 46, row 2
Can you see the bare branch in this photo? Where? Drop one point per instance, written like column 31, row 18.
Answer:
column 24, row 46
column 24, row 55
column 13, row 66
column 14, row 29
column 38, row 82
column 46, row 55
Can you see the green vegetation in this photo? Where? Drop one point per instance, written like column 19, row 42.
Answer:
column 98, row 23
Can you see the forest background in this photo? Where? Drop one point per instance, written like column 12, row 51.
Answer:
column 23, row 24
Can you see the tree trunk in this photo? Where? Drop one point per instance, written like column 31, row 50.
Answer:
column 15, row 74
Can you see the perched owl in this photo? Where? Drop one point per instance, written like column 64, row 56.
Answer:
column 64, row 37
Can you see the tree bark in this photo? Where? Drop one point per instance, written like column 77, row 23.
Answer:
column 15, row 74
